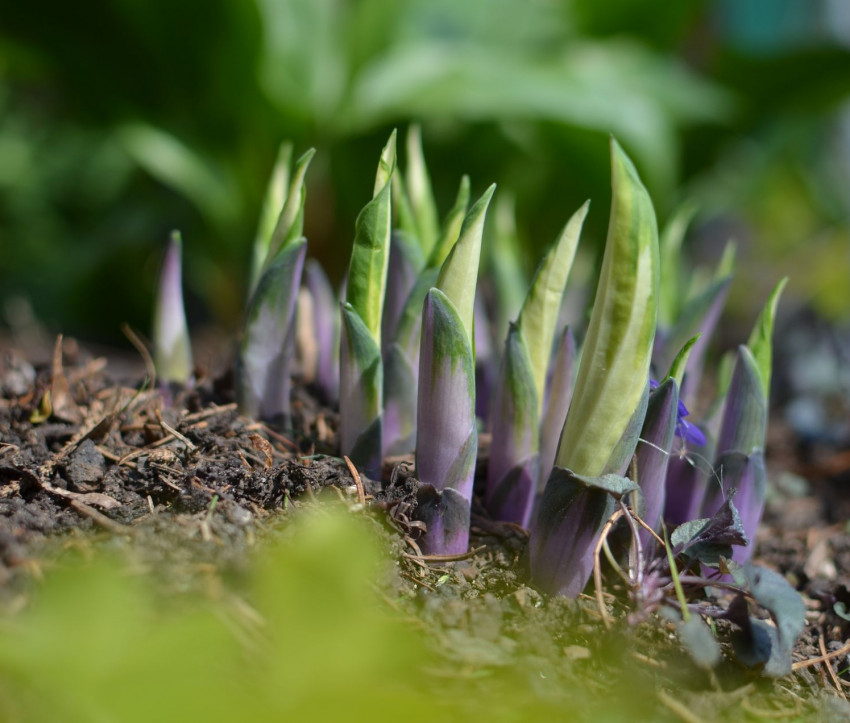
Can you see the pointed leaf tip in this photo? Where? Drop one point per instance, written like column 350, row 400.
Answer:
column 459, row 274
column 760, row 342
column 542, row 305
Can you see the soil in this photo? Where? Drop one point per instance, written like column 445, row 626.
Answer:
column 191, row 486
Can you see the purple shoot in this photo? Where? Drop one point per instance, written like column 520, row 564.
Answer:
column 513, row 469
column 610, row 397
column 263, row 366
column 447, row 437
column 446, row 431
column 326, row 330
column 739, row 463
column 556, row 402
column 653, row 453
column 172, row 348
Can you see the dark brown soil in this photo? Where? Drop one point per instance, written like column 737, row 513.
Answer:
column 192, row 486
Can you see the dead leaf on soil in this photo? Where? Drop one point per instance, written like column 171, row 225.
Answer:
column 64, row 406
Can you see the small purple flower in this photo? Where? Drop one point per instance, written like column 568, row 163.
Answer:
column 685, row 430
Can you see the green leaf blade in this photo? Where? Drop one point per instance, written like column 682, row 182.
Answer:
column 614, row 368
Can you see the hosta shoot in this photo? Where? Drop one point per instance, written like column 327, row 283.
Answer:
column 519, row 393
column 171, row 344
column 361, row 367
column 447, row 435
column 401, row 353
column 610, row 397
column 263, row 365
column 273, row 202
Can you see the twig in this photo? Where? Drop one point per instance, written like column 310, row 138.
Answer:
column 140, row 347
column 274, row 435
column 361, row 493
column 828, row 666
column 418, row 582
column 800, row 664
column 146, row 450
column 206, row 413
column 190, row 446
column 597, row 567
column 444, row 558
column 646, row 527
column 646, row 660
column 638, row 547
column 615, row 566
column 677, row 708
column 100, row 519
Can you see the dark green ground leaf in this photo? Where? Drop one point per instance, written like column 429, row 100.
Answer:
column 707, row 540
column 698, row 640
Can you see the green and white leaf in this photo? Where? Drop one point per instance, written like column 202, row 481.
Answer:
column 539, row 314
column 760, row 342
column 420, row 193
column 451, row 226
column 677, row 368
column 367, row 272
column 671, row 291
column 361, row 391
column 505, row 264
column 614, row 368
column 290, row 223
column 272, row 204
column 459, row 273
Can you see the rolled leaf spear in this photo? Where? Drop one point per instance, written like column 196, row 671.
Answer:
column 518, row 401
column 446, row 434
column 263, row 380
column 361, row 376
column 610, row 397
column 172, row 347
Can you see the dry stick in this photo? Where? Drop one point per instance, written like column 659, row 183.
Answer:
column 137, row 342
column 615, row 566
column 141, row 451
column 268, row 430
column 762, row 714
column 100, row 518
column 597, row 567
column 677, row 708
column 828, row 666
column 638, row 581
column 361, row 493
column 646, row 527
column 190, row 446
column 206, row 413
column 445, row 558
column 800, row 664
column 418, row 582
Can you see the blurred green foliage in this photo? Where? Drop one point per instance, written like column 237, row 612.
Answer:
column 123, row 119
column 312, row 637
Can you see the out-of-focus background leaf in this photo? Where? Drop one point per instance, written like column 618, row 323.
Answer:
column 122, row 120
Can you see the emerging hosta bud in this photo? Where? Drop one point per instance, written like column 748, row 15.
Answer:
column 401, row 354
column 557, row 402
column 325, row 325
column 447, row 436
column 609, row 402
column 739, row 465
column 515, row 418
column 274, row 200
column 263, row 375
column 172, row 347
column 512, row 472
column 653, row 453
column 361, row 369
